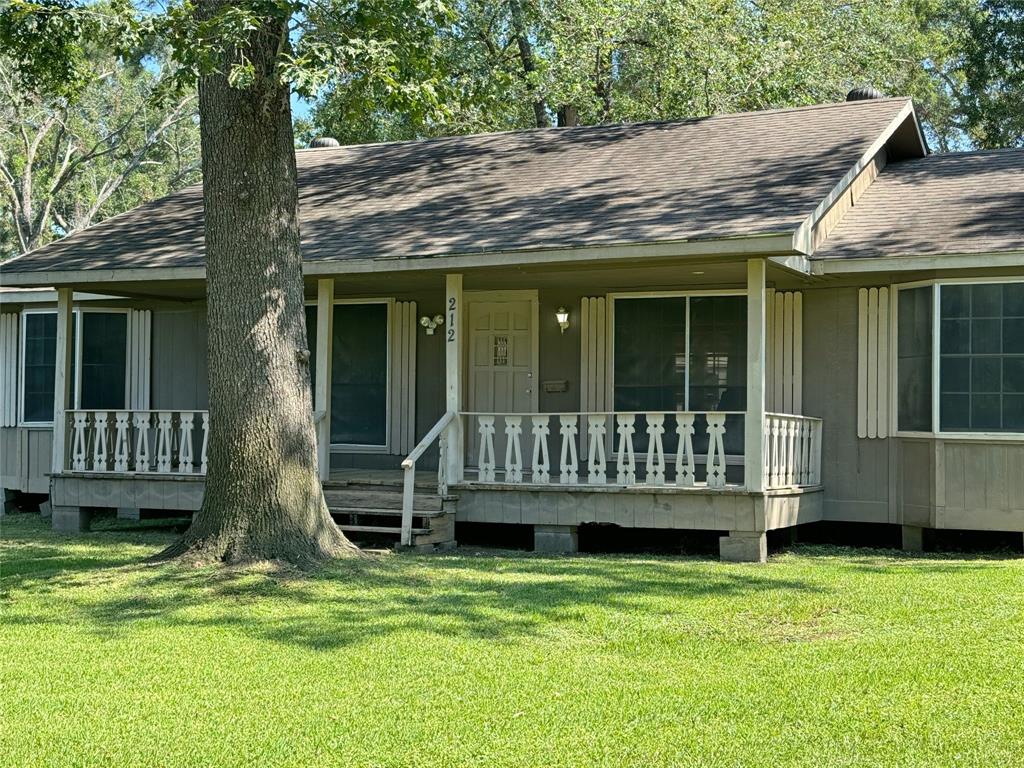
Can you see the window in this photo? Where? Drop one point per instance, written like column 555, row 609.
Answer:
column 98, row 364
column 685, row 353
column 914, row 359
column 39, row 358
column 359, row 374
column 103, row 355
column 962, row 344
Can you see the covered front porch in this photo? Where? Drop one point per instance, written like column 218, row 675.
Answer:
column 675, row 407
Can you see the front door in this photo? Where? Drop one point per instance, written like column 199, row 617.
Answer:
column 500, row 363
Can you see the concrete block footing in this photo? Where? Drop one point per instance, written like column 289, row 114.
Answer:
column 555, row 539
column 913, row 538
column 71, row 519
column 743, row 547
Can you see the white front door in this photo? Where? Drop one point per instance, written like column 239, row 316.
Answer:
column 501, row 363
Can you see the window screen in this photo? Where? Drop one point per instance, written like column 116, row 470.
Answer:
column 650, row 354
column 40, row 350
column 104, row 360
column 981, row 357
column 914, row 359
column 359, row 374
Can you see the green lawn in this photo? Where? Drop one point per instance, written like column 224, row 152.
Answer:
column 823, row 657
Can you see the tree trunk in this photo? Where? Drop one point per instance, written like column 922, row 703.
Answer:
column 263, row 497
column 529, row 63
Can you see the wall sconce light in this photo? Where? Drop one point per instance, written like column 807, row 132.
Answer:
column 430, row 323
column 562, row 316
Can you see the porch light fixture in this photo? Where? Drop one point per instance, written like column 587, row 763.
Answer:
column 430, row 323
column 562, row 316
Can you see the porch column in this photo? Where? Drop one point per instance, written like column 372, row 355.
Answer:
column 322, row 388
column 753, row 454
column 62, row 379
column 453, row 374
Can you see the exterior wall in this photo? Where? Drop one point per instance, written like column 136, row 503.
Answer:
column 25, row 458
column 179, row 375
column 854, row 472
column 927, row 482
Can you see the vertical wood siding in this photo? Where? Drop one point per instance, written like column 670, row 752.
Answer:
column 139, row 362
column 9, row 369
column 403, row 378
column 594, row 395
column 784, row 343
column 873, row 362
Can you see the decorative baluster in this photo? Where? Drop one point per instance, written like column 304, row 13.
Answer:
column 625, row 461
column 684, row 453
column 716, row 450
column 541, row 463
column 805, row 451
column 164, row 440
column 816, row 454
column 122, row 441
column 798, row 452
column 206, row 440
column 486, row 460
column 791, row 430
column 776, row 458
column 143, row 422
column 99, row 447
column 78, row 451
column 596, row 460
column 655, row 448
column 569, row 464
column 186, row 423
column 513, row 449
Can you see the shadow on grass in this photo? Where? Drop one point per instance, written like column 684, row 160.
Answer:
column 491, row 596
column 494, row 596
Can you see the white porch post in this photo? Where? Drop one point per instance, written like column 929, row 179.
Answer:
column 322, row 388
column 453, row 374
column 62, row 380
column 753, row 456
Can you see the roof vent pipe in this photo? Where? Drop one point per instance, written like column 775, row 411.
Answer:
column 323, row 142
column 864, row 93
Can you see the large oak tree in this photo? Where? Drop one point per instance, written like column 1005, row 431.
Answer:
column 263, row 499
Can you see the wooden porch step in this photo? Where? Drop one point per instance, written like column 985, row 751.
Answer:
column 383, row 511
column 378, row 499
column 381, row 529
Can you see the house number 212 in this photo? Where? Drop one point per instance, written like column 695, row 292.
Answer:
column 451, row 319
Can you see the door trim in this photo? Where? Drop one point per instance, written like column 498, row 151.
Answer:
column 529, row 294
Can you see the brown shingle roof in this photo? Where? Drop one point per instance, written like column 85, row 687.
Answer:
column 723, row 176
column 942, row 204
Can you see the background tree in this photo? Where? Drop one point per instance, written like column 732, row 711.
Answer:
column 66, row 163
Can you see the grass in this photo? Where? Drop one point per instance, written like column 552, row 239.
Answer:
column 824, row 657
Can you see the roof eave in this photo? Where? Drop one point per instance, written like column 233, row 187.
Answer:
column 775, row 245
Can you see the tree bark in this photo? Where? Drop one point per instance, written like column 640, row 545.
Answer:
column 263, row 498
column 528, row 62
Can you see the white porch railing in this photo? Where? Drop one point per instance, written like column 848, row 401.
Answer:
column 792, row 450
column 161, row 442
column 682, row 449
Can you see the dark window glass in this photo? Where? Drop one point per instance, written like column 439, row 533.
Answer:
column 359, row 374
column 718, row 364
column 650, row 354
column 40, row 366
column 981, row 362
column 104, row 360
column 914, row 359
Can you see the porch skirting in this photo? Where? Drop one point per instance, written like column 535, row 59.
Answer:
column 689, row 509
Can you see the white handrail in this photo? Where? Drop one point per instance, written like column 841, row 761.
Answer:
column 409, row 472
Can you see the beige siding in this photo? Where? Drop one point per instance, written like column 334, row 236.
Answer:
column 855, row 472
column 25, row 458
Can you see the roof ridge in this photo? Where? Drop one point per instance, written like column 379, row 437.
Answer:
column 555, row 131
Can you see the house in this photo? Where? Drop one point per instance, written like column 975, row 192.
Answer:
column 739, row 324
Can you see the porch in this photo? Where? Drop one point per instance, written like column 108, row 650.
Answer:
column 612, row 459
